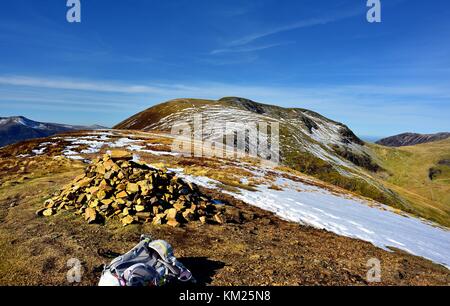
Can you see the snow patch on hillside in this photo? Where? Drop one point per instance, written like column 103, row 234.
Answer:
column 318, row 140
column 94, row 143
column 346, row 216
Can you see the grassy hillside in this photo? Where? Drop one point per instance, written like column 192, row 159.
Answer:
column 153, row 114
column 420, row 174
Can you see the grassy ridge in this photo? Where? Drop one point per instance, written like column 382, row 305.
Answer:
column 408, row 174
column 311, row 165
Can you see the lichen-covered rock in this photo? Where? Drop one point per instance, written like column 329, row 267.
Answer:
column 120, row 155
column 90, row 215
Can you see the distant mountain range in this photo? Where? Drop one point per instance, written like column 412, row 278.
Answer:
column 410, row 139
column 18, row 128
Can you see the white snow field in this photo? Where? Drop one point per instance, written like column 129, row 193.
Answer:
column 346, row 216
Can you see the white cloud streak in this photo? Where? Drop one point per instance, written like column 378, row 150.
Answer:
column 364, row 107
column 296, row 25
column 212, row 89
column 76, row 85
column 241, row 45
column 248, row 49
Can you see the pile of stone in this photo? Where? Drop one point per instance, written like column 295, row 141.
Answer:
column 117, row 187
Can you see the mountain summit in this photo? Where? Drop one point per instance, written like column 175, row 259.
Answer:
column 301, row 130
column 309, row 142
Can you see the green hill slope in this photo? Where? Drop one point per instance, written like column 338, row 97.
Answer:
column 420, row 174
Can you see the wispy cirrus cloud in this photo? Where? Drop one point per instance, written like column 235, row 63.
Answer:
column 287, row 95
column 368, row 108
column 249, row 48
column 113, row 86
column 214, row 89
column 244, row 44
column 336, row 16
column 222, row 61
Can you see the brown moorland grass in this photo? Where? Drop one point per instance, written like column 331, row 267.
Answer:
column 260, row 250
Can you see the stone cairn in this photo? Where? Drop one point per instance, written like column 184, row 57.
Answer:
column 117, row 187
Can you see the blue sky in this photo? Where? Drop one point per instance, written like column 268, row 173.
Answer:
column 379, row 79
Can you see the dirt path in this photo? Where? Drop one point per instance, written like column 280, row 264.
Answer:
column 263, row 250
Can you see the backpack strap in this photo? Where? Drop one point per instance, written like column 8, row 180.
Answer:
column 173, row 268
column 136, row 255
